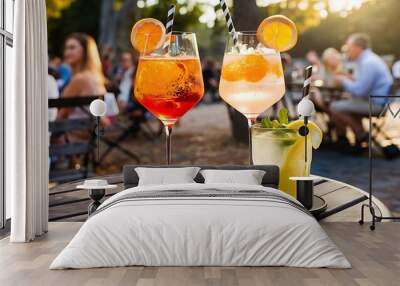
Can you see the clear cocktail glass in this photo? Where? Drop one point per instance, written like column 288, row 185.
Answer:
column 251, row 78
column 170, row 83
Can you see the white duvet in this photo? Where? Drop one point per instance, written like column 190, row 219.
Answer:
column 188, row 231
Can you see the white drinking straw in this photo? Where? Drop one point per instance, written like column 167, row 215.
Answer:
column 168, row 26
column 229, row 22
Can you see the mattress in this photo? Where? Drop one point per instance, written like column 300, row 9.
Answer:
column 201, row 225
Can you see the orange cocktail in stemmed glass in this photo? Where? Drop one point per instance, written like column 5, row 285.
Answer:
column 168, row 86
column 169, row 80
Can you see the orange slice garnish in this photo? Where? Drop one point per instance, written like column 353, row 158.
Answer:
column 252, row 68
column 277, row 32
column 256, row 68
column 232, row 71
column 277, row 70
column 170, row 73
column 147, row 35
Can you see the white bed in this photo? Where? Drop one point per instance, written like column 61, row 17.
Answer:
column 225, row 225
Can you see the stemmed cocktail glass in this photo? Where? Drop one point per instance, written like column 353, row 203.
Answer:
column 169, row 82
column 251, row 78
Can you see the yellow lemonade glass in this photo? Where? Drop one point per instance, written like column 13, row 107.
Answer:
column 285, row 148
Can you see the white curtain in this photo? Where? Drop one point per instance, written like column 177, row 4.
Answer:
column 26, row 124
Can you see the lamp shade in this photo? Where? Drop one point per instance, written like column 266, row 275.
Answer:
column 98, row 107
column 305, row 107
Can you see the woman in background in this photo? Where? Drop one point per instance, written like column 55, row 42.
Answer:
column 82, row 55
column 313, row 59
column 333, row 65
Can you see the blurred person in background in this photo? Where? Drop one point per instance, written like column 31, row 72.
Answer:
column 396, row 69
column 52, row 93
column 371, row 77
column 61, row 72
column 107, row 62
column 396, row 76
column 81, row 53
column 332, row 61
column 333, row 65
column 123, row 78
column 210, row 79
column 313, row 59
column 288, row 68
column 349, row 65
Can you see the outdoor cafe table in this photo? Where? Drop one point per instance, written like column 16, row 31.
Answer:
column 343, row 200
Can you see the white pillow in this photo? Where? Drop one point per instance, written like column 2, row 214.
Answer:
column 248, row 177
column 166, row 176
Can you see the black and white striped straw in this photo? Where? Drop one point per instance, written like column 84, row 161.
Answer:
column 168, row 26
column 307, row 80
column 229, row 22
column 306, row 91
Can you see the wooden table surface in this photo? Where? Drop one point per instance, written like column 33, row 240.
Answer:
column 374, row 255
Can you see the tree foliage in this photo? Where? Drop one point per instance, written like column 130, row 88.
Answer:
column 186, row 21
column 116, row 19
column 377, row 18
column 79, row 16
column 111, row 27
column 55, row 7
column 380, row 21
column 304, row 18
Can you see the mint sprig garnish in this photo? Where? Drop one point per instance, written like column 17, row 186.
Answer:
column 279, row 127
column 283, row 116
column 277, row 124
column 266, row 122
column 281, row 122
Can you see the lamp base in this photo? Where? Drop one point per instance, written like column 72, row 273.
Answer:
column 96, row 195
column 304, row 190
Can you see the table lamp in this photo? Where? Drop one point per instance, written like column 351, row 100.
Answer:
column 98, row 108
column 96, row 187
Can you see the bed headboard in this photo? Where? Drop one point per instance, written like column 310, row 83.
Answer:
column 271, row 177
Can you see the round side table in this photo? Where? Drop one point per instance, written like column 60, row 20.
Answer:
column 96, row 193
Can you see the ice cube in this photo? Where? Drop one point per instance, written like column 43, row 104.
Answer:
column 250, row 50
column 263, row 49
column 259, row 46
column 242, row 48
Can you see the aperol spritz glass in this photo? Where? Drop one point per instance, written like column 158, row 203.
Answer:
column 169, row 82
column 251, row 78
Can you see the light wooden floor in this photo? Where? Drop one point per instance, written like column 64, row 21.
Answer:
column 375, row 257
